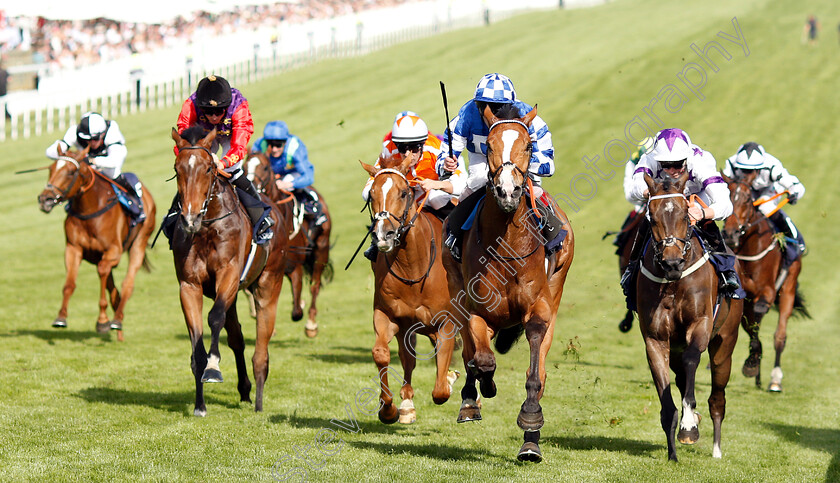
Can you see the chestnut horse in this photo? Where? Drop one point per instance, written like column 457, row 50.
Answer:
column 751, row 236
column 309, row 247
column 411, row 295
column 676, row 296
column 212, row 251
column 98, row 231
column 510, row 285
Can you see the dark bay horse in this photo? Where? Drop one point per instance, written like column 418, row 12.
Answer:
column 509, row 285
column 211, row 247
column 751, row 236
column 676, row 295
column 309, row 246
column 98, row 231
column 411, row 294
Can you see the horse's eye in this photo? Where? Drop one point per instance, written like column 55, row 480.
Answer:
column 404, row 194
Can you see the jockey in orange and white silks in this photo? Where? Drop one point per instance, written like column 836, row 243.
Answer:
column 672, row 155
column 771, row 178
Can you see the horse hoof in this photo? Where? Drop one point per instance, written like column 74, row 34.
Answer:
column 775, row 387
column 451, row 377
column 389, row 419
column 116, row 325
column 212, row 375
column 297, row 315
column 60, row 323
column 407, row 416
column 530, row 452
column 470, row 413
column 103, row 328
column 530, row 421
column 688, row 436
column 200, row 412
column 750, row 370
column 311, row 329
column 487, row 387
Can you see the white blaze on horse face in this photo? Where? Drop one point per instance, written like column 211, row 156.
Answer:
column 192, row 161
column 60, row 164
column 506, row 177
column 669, row 207
column 253, row 163
column 381, row 226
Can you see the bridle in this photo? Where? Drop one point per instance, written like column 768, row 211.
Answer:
column 210, row 191
column 743, row 226
column 62, row 194
column 491, row 175
column 402, row 225
column 659, row 246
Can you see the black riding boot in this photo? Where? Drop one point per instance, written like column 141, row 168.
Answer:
column 552, row 230
column 724, row 260
column 264, row 232
column 785, row 225
column 635, row 254
column 134, row 196
column 456, row 220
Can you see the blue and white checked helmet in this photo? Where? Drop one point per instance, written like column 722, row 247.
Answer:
column 495, row 88
column 750, row 156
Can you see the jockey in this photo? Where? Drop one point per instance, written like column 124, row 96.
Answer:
column 469, row 132
column 770, row 178
column 673, row 154
column 216, row 105
column 107, row 153
column 292, row 169
column 410, row 137
column 644, row 146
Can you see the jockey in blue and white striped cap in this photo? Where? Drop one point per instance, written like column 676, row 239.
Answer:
column 469, row 132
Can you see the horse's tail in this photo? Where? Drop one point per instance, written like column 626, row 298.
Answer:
column 147, row 265
column 309, row 266
column 799, row 305
column 507, row 337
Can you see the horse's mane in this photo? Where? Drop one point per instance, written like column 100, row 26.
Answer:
column 508, row 111
column 668, row 184
column 193, row 134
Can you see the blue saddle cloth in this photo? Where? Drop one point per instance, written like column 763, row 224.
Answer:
column 130, row 201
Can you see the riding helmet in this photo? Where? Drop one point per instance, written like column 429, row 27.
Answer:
column 276, row 131
column 495, row 88
column 213, row 92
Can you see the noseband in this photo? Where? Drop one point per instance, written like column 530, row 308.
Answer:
column 209, row 197
column 402, row 226
column 62, row 194
column 659, row 246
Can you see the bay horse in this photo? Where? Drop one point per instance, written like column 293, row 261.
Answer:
column 411, row 294
column 509, row 285
column 752, row 237
column 211, row 247
column 97, row 231
column 309, row 246
column 677, row 294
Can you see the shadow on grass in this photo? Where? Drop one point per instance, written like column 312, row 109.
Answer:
column 181, row 402
column 50, row 336
column 629, row 446
column 429, row 450
column 820, row 439
column 571, row 362
column 366, row 426
column 249, row 342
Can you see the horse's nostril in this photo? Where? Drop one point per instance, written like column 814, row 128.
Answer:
column 500, row 192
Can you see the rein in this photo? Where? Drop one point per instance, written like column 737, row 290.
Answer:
column 210, row 195
column 82, row 190
column 756, row 219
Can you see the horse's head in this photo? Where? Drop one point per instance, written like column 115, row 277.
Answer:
column 65, row 178
column 195, row 170
column 669, row 224
column 391, row 200
column 743, row 211
column 508, row 155
column 258, row 170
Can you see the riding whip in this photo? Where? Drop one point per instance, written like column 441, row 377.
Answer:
column 446, row 174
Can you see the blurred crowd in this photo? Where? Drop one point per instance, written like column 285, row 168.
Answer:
column 63, row 44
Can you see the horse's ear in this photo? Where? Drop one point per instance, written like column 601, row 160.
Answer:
column 59, row 149
column 727, row 179
column 370, row 169
column 208, row 139
column 405, row 166
column 651, row 184
column 489, row 116
column 530, row 116
column 179, row 141
column 679, row 184
column 84, row 152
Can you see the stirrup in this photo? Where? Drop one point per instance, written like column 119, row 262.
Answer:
column 451, row 242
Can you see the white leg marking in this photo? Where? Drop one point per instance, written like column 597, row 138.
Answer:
column 689, row 420
column 213, row 362
column 776, row 375
column 716, row 451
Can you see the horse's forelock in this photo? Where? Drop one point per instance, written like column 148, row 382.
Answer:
column 193, row 135
column 508, row 111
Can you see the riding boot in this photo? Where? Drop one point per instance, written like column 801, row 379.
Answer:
column 633, row 265
column 622, row 237
column 135, row 195
column 371, row 251
column 723, row 259
column 167, row 225
column 794, row 241
column 456, row 221
column 552, row 229
column 255, row 213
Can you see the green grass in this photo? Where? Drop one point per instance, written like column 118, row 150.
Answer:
column 76, row 406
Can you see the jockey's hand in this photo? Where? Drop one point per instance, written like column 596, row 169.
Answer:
column 429, row 184
column 450, row 164
column 284, row 185
column 220, row 167
column 793, row 198
column 646, row 194
column 696, row 212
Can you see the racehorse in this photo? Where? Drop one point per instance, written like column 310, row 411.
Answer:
column 213, row 254
column 309, row 246
column 509, row 285
column 98, row 231
column 752, row 237
column 411, row 295
column 677, row 298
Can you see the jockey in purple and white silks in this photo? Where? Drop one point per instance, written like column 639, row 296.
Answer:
column 469, row 133
column 673, row 154
column 771, row 178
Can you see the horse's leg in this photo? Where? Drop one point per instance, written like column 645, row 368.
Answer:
column 265, row 298
column 470, row 407
column 236, row 342
column 686, row 373
column 384, row 330
column 484, row 361
column 444, row 342
column 658, row 355
column 787, row 296
column 191, row 304
column 226, row 287
column 296, row 279
column 720, row 361
column 530, row 417
column 751, row 322
column 407, row 351
column 104, row 268
column 322, row 258
column 136, row 255
column 72, row 260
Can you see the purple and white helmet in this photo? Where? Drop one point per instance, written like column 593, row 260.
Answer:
column 495, row 88
column 671, row 145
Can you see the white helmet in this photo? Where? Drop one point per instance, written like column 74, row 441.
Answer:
column 409, row 128
column 671, row 145
column 750, row 156
column 91, row 126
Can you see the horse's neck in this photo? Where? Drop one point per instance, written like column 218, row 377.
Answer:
column 89, row 197
column 224, row 198
column 414, row 246
column 510, row 227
